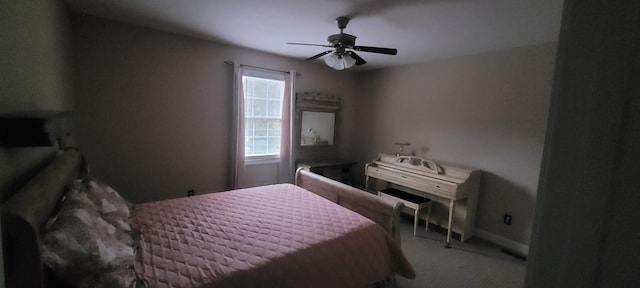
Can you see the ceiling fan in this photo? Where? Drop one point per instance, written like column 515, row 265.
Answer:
column 343, row 55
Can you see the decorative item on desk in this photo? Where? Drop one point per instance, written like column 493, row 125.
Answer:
column 313, row 132
column 417, row 161
column 310, row 137
column 401, row 144
column 313, row 138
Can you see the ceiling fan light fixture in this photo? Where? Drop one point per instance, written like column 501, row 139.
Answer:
column 339, row 62
column 348, row 61
column 339, row 57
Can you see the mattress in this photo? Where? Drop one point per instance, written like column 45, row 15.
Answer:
column 269, row 236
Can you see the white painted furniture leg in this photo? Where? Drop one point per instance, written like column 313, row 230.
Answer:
column 426, row 228
column 451, row 207
column 415, row 221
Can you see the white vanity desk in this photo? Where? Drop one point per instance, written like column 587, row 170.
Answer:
column 451, row 189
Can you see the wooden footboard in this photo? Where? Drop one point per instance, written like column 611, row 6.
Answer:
column 24, row 216
column 364, row 203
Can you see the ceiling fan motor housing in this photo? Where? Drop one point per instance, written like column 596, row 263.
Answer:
column 342, row 39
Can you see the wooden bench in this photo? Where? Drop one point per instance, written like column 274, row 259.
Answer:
column 409, row 200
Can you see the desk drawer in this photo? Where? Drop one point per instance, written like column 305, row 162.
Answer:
column 429, row 185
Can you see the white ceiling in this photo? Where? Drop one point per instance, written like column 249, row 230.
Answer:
column 421, row 30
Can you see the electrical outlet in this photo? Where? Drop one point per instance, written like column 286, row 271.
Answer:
column 191, row 192
column 507, row 219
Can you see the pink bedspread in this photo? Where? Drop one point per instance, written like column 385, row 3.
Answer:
column 271, row 236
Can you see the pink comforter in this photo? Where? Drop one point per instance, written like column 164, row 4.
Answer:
column 271, row 236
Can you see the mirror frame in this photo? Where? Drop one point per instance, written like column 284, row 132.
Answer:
column 317, row 102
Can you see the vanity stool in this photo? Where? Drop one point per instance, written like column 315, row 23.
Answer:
column 411, row 201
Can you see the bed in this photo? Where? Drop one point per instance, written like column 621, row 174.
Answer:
column 316, row 233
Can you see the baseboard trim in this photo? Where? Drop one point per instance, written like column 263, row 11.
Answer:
column 513, row 246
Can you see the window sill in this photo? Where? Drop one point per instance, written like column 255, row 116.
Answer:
column 261, row 161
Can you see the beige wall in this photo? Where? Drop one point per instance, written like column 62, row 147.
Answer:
column 485, row 112
column 154, row 115
column 154, row 111
column 34, row 53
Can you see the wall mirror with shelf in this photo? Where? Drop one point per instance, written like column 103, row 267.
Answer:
column 317, row 119
column 317, row 128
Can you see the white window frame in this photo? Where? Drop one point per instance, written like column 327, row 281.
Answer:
column 277, row 76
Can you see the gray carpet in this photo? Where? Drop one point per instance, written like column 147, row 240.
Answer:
column 475, row 263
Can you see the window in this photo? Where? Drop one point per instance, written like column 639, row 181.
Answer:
column 263, row 115
column 262, row 132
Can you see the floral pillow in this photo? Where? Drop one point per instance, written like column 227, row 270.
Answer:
column 89, row 242
column 113, row 208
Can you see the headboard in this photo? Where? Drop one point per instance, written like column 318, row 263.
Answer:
column 25, row 214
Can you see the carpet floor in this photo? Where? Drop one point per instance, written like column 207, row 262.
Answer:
column 476, row 263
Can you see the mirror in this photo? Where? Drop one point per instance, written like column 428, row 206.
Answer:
column 317, row 128
column 316, row 119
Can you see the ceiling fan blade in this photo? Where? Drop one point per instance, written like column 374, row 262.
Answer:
column 380, row 50
column 359, row 60
column 306, row 44
column 314, row 57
